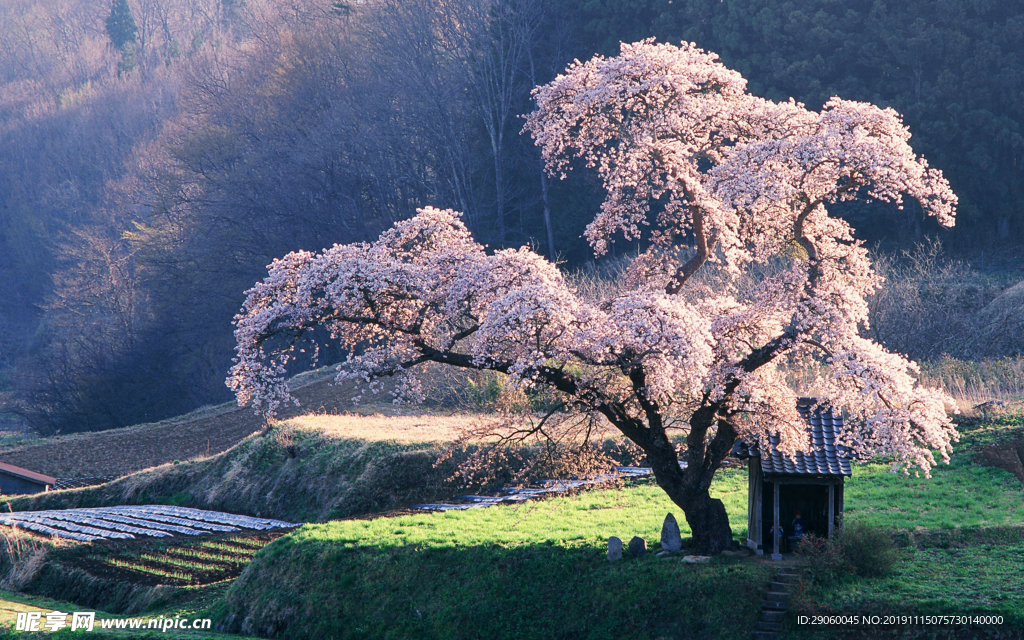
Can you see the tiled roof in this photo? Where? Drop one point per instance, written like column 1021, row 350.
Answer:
column 826, row 458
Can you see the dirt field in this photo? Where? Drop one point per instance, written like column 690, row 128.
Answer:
column 213, row 430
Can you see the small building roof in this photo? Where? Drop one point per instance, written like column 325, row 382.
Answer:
column 826, row 458
column 26, row 474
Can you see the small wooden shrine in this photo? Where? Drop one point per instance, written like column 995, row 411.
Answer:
column 790, row 498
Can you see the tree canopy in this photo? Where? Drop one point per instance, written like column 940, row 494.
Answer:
column 954, row 69
column 712, row 177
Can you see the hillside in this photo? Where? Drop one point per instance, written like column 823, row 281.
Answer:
column 293, row 472
column 535, row 570
column 524, row 570
column 202, row 433
column 119, row 280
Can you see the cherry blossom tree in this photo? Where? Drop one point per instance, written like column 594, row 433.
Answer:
column 711, row 178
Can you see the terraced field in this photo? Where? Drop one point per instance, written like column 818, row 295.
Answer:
column 174, row 562
column 127, row 522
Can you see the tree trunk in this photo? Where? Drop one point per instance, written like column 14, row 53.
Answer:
column 708, row 520
column 709, row 523
column 547, row 215
column 689, row 488
column 499, row 191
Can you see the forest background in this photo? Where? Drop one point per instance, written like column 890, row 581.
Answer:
column 156, row 155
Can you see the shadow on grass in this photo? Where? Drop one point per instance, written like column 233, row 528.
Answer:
column 336, row 589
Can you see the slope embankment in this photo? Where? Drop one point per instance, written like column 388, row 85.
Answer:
column 292, row 472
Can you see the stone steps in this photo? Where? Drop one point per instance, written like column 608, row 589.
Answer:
column 773, row 607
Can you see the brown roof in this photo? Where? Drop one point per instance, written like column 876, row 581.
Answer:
column 26, row 474
column 826, row 458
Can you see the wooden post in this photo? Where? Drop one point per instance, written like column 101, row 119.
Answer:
column 831, row 508
column 758, row 534
column 750, row 507
column 754, row 517
column 841, row 491
column 776, row 529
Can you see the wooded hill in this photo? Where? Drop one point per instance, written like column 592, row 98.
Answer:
column 158, row 154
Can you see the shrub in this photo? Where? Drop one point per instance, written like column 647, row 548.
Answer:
column 870, row 551
column 856, row 549
column 490, row 466
column 825, row 562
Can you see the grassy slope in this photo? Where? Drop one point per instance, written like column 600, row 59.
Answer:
column 977, row 580
column 965, row 517
column 538, row 570
column 962, row 494
column 12, row 603
column 535, row 570
column 292, row 473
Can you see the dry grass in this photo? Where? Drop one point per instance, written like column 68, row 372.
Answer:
column 324, row 407
column 403, row 429
column 23, row 554
column 981, row 388
column 974, row 383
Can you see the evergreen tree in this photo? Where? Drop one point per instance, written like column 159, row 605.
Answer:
column 121, row 24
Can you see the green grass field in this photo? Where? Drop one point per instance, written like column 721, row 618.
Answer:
column 962, row 494
column 979, row 579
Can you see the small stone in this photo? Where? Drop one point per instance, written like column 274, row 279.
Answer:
column 670, row 538
column 696, row 559
column 614, row 549
column 637, row 547
column 729, row 553
column 665, row 554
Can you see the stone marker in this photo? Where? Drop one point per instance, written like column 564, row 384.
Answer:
column 696, row 559
column 614, row 549
column 637, row 547
column 670, row 538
